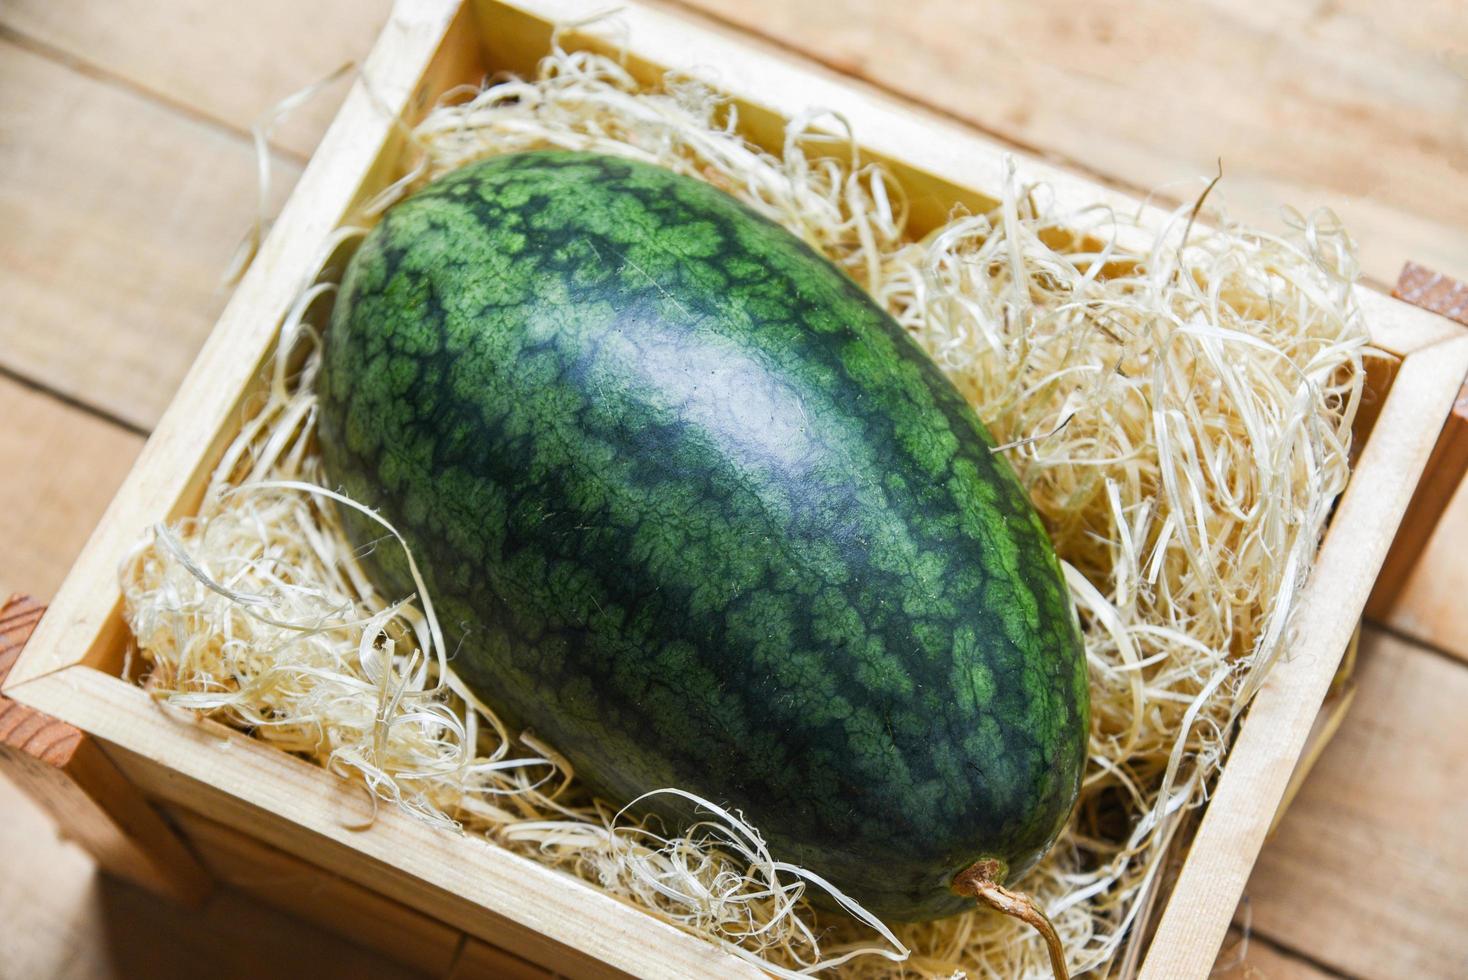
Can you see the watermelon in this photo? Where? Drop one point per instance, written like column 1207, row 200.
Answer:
column 697, row 512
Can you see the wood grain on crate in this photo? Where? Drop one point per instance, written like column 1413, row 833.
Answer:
column 120, row 215
column 331, row 902
column 1445, row 475
column 1443, row 480
column 1419, row 599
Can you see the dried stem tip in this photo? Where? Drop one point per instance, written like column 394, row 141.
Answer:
column 981, row 880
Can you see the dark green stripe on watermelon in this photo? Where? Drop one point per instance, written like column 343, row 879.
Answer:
column 697, row 511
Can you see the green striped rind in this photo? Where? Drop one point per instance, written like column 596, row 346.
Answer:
column 697, row 511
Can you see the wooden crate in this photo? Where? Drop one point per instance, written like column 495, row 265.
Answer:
column 244, row 806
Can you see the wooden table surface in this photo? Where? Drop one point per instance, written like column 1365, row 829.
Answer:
column 127, row 178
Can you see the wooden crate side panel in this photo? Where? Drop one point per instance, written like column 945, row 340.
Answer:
column 1440, row 294
column 542, row 915
column 330, row 901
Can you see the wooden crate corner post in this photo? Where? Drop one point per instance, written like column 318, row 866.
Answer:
column 1448, row 464
column 92, row 802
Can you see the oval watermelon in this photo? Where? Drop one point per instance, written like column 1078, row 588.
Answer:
column 697, row 511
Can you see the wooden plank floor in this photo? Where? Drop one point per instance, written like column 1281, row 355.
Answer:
column 130, row 178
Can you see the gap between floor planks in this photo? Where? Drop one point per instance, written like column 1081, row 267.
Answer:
column 120, row 218
column 223, row 63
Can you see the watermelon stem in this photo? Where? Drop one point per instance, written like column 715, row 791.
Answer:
column 982, row 881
